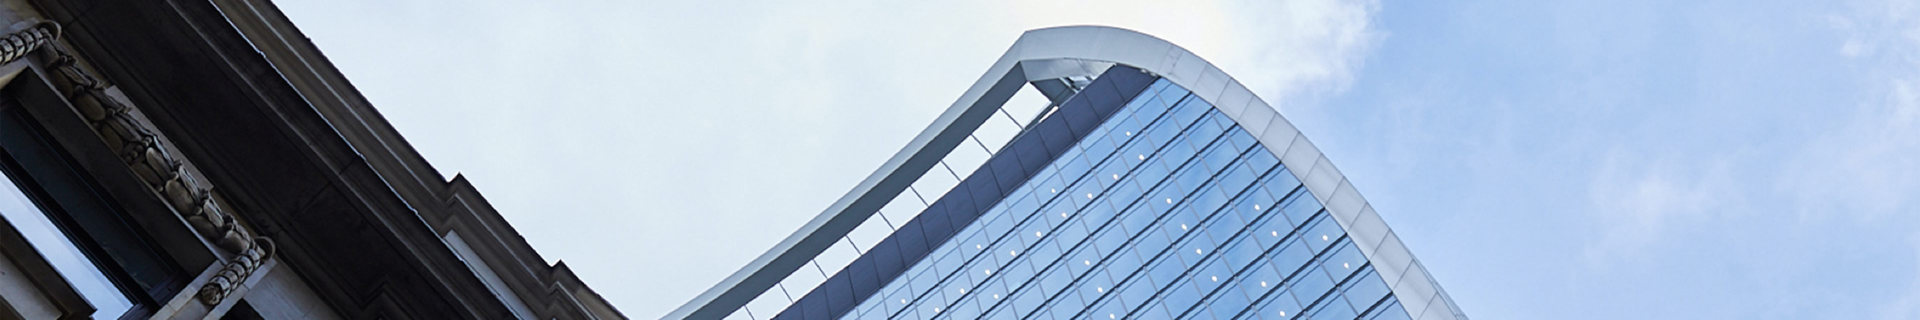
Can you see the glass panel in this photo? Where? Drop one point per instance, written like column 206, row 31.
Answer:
column 1167, row 209
column 80, row 272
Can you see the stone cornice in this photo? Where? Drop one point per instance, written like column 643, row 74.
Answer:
column 142, row 149
column 25, row 37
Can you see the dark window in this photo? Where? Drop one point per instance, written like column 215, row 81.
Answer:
column 97, row 227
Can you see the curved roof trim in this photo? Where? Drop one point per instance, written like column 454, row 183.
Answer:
column 1051, row 53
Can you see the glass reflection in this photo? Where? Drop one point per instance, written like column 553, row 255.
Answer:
column 1170, row 210
column 53, row 245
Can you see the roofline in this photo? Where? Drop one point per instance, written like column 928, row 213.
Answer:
column 444, row 205
column 1051, row 53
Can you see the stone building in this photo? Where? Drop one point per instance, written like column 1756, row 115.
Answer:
column 175, row 159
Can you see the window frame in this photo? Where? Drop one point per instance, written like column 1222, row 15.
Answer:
column 68, row 155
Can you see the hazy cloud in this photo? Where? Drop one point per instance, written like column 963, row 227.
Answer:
column 1872, row 164
column 1871, row 168
column 1639, row 200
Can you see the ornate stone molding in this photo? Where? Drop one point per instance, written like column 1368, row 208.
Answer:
column 28, row 35
column 138, row 144
column 236, row 271
column 140, row 147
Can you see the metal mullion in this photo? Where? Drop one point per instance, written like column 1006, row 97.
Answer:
column 983, row 146
column 1051, row 231
column 996, row 241
column 1109, row 158
column 923, row 199
column 1090, row 235
column 1140, row 200
column 1212, row 179
column 883, row 218
column 1164, row 181
column 1055, row 197
column 1324, row 297
column 1103, row 227
column 856, row 247
column 1344, row 280
column 956, row 176
column 783, row 291
column 1265, row 215
column 1016, row 122
column 1288, row 279
column 1377, row 304
column 1168, row 253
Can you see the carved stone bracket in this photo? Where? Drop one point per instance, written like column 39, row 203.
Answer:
column 141, row 148
column 235, row 272
column 27, row 36
column 139, row 145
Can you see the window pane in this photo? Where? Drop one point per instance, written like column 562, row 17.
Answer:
column 53, row 245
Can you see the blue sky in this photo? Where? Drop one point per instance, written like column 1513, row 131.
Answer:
column 1644, row 159
column 1545, row 160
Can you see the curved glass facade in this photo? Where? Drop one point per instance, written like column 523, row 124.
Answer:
column 1164, row 208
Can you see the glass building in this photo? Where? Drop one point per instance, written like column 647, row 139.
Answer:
column 1143, row 184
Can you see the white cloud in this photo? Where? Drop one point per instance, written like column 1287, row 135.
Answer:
column 1640, row 200
column 1305, row 48
column 1872, row 165
column 1907, row 305
column 1870, row 170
